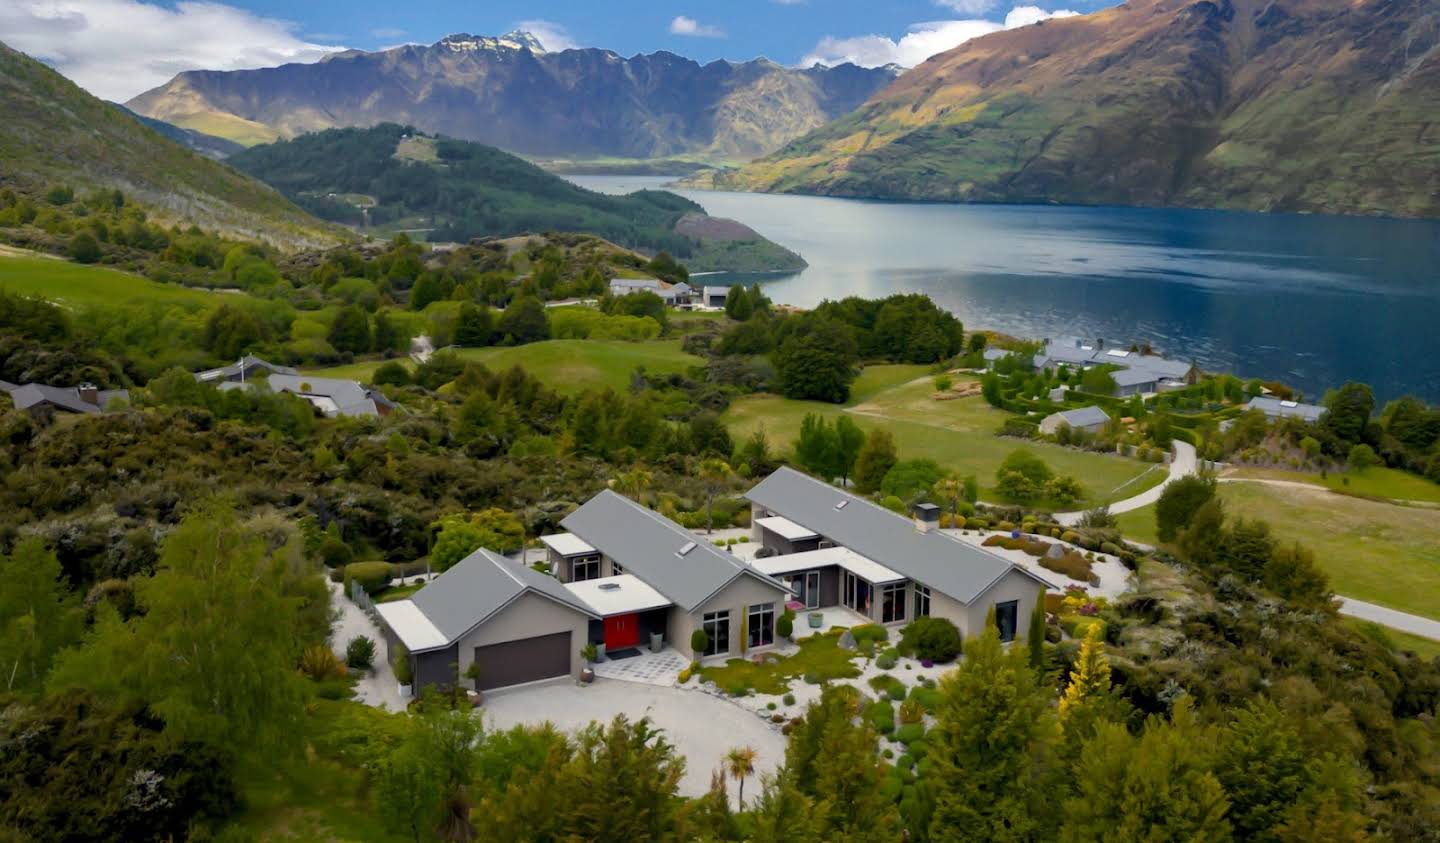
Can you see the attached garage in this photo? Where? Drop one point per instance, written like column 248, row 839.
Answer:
column 526, row 660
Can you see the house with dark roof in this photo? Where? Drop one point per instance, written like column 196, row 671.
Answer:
column 1089, row 419
column 882, row 565
column 38, row 398
column 245, row 369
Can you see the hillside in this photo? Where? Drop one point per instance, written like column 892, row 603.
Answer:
column 53, row 132
column 390, row 177
column 1292, row 105
column 509, row 92
column 208, row 145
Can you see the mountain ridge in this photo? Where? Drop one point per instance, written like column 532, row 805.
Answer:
column 502, row 92
column 1317, row 106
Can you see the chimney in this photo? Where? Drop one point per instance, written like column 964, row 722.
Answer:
column 88, row 393
column 927, row 517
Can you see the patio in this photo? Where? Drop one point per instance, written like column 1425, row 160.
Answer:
column 660, row 669
column 831, row 617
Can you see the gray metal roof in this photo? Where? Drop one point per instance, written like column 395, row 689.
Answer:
column 480, row 585
column 1276, row 408
column 650, row 546
column 244, row 366
column 30, row 395
column 349, row 397
column 933, row 559
column 1134, row 377
column 1082, row 417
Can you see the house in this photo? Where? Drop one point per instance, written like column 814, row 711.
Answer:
column 1091, row 419
column 331, row 396
column 1275, row 408
column 515, row 624
column 714, row 296
column 38, row 398
column 1135, row 372
column 674, row 295
column 881, row 565
column 246, row 368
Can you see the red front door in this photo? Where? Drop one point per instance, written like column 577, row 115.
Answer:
column 622, row 631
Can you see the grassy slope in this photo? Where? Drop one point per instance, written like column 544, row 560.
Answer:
column 76, row 284
column 567, row 365
column 52, row 132
column 957, row 434
column 1376, row 552
column 1387, row 483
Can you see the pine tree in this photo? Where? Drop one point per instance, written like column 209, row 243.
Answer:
column 876, row 459
column 1090, row 677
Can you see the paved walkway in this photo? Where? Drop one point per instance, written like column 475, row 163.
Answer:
column 1403, row 621
column 660, row 669
column 1184, row 464
column 377, row 687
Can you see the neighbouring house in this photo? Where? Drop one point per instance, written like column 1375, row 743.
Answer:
column 245, row 369
column 674, row 295
column 514, row 624
column 994, row 355
column 331, row 396
column 714, row 296
column 1275, row 408
column 39, row 399
column 887, row 567
column 1135, row 372
column 1090, row 419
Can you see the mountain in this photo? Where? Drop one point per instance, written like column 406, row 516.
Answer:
column 395, row 178
column 509, row 92
column 52, row 132
column 1329, row 106
column 207, row 145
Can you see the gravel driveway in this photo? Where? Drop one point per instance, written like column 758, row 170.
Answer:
column 702, row 728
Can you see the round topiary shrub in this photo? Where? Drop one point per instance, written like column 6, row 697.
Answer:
column 789, row 699
column 785, row 625
column 931, row 639
column 886, row 661
column 699, row 642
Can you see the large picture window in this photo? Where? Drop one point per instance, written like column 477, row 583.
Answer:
column 892, row 602
column 585, row 568
column 922, row 601
column 717, row 629
column 761, row 624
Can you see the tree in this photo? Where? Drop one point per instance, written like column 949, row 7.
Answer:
column 1091, row 675
column 351, row 330
column 740, row 764
column 387, row 336
column 1035, row 637
column 424, row 784
column 474, row 326
column 818, row 448
column 1179, row 502
column 390, row 373
column 1098, row 381
column 524, row 321
column 37, row 615
column 782, row 813
column 1362, row 458
column 1292, row 574
column 1347, row 412
column 461, row 535
column 816, row 361
column 849, row 439
column 738, row 305
column 232, row 331
column 990, row 389
column 832, row 759
column 875, row 460
column 949, row 490
column 994, row 729
column 1262, row 765
column 714, row 474
column 909, row 478
column 84, row 248
column 215, row 650
column 634, row 484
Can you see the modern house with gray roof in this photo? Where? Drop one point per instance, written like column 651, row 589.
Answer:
column 1275, row 408
column 1135, row 372
column 674, row 295
column 516, row 624
column 1090, row 419
column 245, row 369
column 887, row 567
column 334, row 397
column 38, row 398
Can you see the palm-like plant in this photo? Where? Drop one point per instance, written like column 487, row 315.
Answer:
column 740, row 763
column 949, row 489
column 714, row 473
column 634, row 484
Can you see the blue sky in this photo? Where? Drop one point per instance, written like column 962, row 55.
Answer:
column 119, row 48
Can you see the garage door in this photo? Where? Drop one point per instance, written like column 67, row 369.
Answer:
column 526, row 660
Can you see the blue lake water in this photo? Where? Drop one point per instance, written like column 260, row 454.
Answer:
column 1312, row 301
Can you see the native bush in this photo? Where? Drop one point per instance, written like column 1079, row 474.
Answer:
column 936, row 639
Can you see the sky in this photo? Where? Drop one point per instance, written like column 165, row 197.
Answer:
column 119, row 48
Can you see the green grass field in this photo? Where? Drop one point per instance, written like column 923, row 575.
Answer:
column 569, row 366
column 1389, row 483
column 77, row 284
column 1425, row 648
column 1372, row 551
column 958, row 434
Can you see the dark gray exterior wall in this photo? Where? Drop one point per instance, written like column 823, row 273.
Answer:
column 436, row 667
column 784, row 546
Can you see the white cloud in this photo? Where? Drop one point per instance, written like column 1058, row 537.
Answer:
column 389, row 33
column 922, row 41
column 552, row 36
column 967, row 7
column 118, row 48
column 689, row 26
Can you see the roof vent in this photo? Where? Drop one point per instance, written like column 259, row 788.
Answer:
column 609, row 586
column 842, row 504
column 685, row 548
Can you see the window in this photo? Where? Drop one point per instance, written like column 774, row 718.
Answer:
column 615, row 569
column 922, row 601
column 761, row 624
column 1006, row 615
column 717, row 629
column 892, row 602
column 584, row 568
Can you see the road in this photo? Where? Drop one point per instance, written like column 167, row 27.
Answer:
column 1184, row 464
column 1403, row 621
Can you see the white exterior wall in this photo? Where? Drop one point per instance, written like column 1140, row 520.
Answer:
column 530, row 616
column 1013, row 586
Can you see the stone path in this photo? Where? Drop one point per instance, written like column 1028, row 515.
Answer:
column 378, row 686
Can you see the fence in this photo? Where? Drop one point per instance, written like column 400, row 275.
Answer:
column 361, row 599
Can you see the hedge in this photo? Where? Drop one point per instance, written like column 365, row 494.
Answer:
column 373, row 577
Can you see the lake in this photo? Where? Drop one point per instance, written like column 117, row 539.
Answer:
column 1312, row 301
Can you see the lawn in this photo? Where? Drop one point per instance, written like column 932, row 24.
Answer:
column 78, row 284
column 567, row 365
column 1372, row 551
column 958, row 434
column 1423, row 647
column 819, row 656
column 399, row 592
column 1389, row 483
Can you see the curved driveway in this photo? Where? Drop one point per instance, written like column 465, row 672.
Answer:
column 1184, row 464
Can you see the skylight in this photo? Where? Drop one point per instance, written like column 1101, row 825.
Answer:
column 1289, row 403
column 842, row 504
column 609, row 586
column 685, row 548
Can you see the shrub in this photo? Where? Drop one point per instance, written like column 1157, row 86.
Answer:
column 871, row 632
column 686, row 673
column 360, row 652
column 911, row 710
column 785, row 626
column 1077, row 626
column 319, row 663
column 977, row 524
column 881, row 715
column 812, row 678
column 1073, row 565
column 777, row 718
column 699, row 642
column 335, row 553
column 887, row 753
column 373, row 577
column 789, row 699
column 896, row 692
column 935, row 639
column 770, row 706
column 1110, row 548
column 886, row 661
column 905, row 762
column 910, row 732
column 1005, row 527
column 884, row 683
column 1070, row 537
